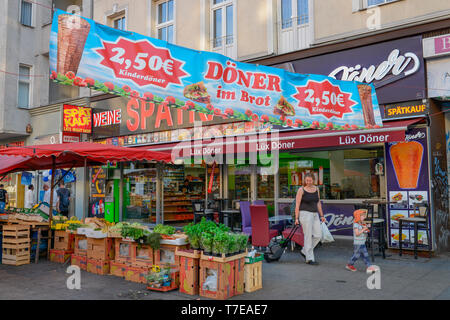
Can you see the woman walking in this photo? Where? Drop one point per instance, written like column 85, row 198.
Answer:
column 307, row 211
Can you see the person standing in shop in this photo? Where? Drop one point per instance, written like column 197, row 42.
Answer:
column 47, row 190
column 63, row 199
column 307, row 211
column 29, row 197
column 3, row 198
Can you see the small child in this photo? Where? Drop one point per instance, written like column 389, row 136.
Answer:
column 359, row 241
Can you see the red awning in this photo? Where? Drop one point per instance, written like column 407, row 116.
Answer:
column 69, row 155
column 288, row 140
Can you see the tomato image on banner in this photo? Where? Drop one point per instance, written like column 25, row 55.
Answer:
column 161, row 76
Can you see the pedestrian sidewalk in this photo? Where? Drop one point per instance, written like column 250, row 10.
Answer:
column 290, row 278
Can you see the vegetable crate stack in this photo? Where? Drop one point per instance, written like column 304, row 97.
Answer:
column 253, row 273
column 16, row 245
column 122, row 257
column 79, row 257
column 63, row 246
column 189, row 270
column 100, row 251
column 140, row 264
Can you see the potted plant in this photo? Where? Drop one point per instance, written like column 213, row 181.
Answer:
column 243, row 239
column 207, row 242
column 220, row 243
column 233, row 243
column 193, row 232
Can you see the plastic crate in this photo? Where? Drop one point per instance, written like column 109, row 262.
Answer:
column 258, row 257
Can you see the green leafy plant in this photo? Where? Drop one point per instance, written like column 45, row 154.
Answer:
column 164, row 229
column 233, row 243
column 206, row 241
column 243, row 239
column 153, row 240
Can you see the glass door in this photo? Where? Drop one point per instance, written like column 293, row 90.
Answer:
column 265, row 188
column 140, row 193
column 239, row 182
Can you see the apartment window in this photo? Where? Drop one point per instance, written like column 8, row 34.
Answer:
column 290, row 6
column 23, row 99
column 378, row 2
column 222, row 12
column 166, row 23
column 26, row 13
column 120, row 23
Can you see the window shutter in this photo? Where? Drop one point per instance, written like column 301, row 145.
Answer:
column 356, row 5
column 365, row 4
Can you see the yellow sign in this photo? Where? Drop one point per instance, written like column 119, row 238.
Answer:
column 77, row 119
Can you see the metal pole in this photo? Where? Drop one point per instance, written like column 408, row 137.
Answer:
column 50, row 216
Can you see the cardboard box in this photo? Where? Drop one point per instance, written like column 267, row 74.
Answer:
column 189, row 275
column 118, row 269
column 142, row 255
column 166, row 254
column 239, row 278
column 63, row 240
column 136, row 274
column 123, row 251
column 225, row 279
column 60, row 256
column 98, row 266
column 80, row 246
column 80, row 261
column 100, row 249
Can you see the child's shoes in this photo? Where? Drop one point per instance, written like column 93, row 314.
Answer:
column 350, row 267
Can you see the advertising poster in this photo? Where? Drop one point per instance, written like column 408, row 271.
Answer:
column 77, row 119
column 97, row 199
column 407, row 179
column 87, row 54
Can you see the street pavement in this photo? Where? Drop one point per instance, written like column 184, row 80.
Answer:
column 290, row 278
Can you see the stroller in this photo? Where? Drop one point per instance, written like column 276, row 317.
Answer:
column 278, row 245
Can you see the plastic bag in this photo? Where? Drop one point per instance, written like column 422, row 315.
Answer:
column 326, row 234
column 210, row 283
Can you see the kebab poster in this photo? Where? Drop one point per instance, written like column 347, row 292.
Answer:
column 84, row 53
column 407, row 182
column 97, row 200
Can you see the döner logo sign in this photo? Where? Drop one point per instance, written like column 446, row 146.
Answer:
column 395, row 64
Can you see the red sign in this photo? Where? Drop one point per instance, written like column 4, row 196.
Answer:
column 141, row 62
column 12, row 144
column 69, row 137
column 324, row 98
column 77, row 119
column 442, row 44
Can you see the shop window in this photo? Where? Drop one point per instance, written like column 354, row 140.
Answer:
column 24, row 85
column 26, row 13
column 339, row 174
column 166, row 21
column 239, row 177
column 182, row 184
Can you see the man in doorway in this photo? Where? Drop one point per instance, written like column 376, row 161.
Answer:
column 47, row 195
column 29, row 197
column 3, row 198
column 63, row 199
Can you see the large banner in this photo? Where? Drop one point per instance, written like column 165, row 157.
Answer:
column 87, row 54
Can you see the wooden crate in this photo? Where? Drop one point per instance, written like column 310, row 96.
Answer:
column 15, row 257
column 63, row 240
column 60, row 256
column 80, row 246
column 225, row 279
column 141, row 255
column 123, row 251
column 117, row 269
column 239, row 276
column 166, row 254
column 100, row 249
column 253, row 276
column 16, row 244
column 189, row 275
column 136, row 274
column 80, row 261
column 98, row 266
